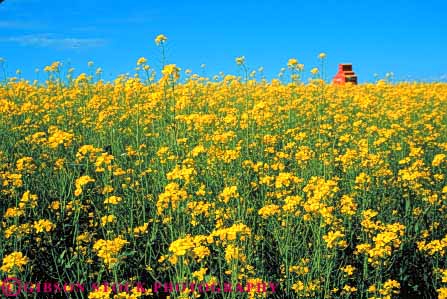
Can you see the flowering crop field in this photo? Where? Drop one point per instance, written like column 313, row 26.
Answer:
column 316, row 190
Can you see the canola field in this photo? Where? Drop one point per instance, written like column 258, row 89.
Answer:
column 312, row 190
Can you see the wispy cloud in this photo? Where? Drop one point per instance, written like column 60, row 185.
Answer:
column 48, row 41
column 114, row 24
column 141, row 18
column 18, row 25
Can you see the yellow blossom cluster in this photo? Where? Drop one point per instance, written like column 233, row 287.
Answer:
column 108, row 250
column 14, row 261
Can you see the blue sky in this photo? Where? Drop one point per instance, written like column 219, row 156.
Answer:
column 408, row 38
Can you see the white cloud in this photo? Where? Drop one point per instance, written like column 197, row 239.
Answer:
column 49, row 41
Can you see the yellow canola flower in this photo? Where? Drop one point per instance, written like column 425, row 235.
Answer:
column 160, row 39
column 438, row 159
column 442, row 293
column 108, row 250
column 200, row 274
column 170, row 73
column 269, row 210
column 141, row 61
column 102, row 292
column 81, row 182
column 112, row 200
column 181, row 246
column 233, row 252
column 292, row 62
column 189, row 245
column 107, row 219
column 334, row 238
column 44, row 225
column 14, row 260
column 240, row 60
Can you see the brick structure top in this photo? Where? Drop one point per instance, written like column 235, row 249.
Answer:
column 345, row 74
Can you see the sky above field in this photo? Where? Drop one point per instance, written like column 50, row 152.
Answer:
column 408, row 38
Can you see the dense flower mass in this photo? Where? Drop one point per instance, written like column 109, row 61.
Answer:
column 14, row 261
column 330, row 191
column 171, row 71
column 108, row 250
